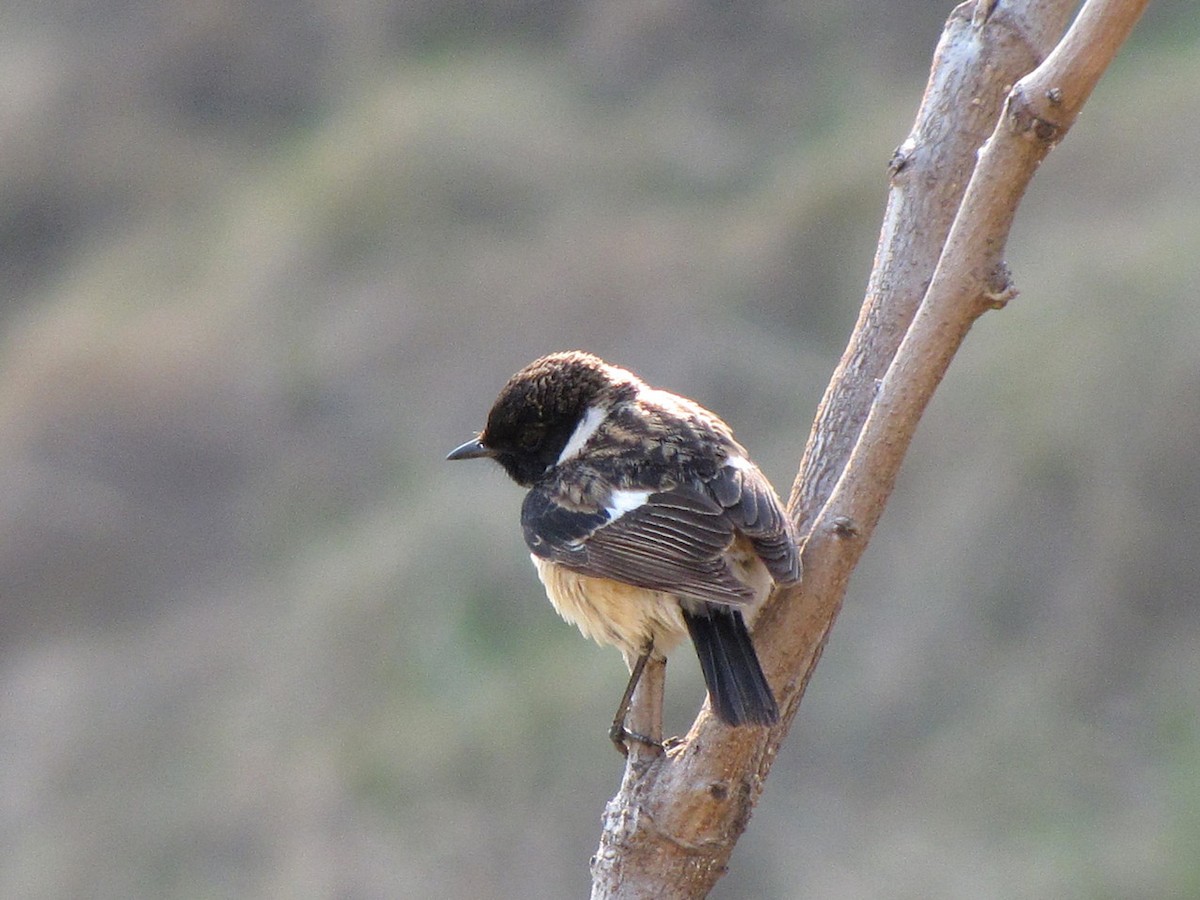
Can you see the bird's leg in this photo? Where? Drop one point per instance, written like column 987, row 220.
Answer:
column 641, row 705
column 617, row 733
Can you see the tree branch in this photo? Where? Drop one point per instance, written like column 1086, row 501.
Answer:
column 982, row 52
column 939, row 266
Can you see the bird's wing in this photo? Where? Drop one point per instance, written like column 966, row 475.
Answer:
column 672, row 539
column 754, row 510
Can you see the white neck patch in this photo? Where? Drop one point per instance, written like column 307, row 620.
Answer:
column 583, row 432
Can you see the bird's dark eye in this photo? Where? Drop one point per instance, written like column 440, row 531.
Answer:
column 530, row 438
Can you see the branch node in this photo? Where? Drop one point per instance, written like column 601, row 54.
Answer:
column 901, row 157
column 999, row 287
column 1023, row 117
column 844, row 527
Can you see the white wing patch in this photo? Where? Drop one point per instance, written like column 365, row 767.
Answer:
column 583, row 433
column 625, row 501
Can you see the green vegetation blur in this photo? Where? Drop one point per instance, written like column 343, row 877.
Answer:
column 263, row 264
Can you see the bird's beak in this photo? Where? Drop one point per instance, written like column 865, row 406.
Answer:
column 472, row 449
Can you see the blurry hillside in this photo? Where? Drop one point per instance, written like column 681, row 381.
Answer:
column 264, row 264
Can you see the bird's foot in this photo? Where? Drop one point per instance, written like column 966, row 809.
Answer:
column 621, row 737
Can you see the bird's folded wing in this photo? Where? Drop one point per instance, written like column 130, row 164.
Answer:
column 675, row 539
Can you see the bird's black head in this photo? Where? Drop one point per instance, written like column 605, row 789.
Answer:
column 538, row 409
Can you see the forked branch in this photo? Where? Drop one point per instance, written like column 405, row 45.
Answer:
column 1003, row 86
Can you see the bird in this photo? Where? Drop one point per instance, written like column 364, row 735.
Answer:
column 646, row 520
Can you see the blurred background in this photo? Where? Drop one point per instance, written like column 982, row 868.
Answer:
column 263, row 264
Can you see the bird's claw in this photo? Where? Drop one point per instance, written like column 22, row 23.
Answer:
column 621, row 736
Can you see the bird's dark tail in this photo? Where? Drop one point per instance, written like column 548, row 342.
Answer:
column 736, row 684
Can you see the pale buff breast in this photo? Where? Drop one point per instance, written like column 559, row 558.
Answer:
column 750, row 571
column 610, row 612
column 627, row 617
